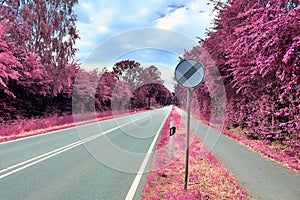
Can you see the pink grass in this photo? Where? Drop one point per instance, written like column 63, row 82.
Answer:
column 29, row 127
column 208, row 179
column 277, row 152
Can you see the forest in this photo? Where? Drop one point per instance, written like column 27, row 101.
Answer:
column 255, row 46
column 38, row 67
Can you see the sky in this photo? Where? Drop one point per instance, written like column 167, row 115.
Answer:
column 152, row 32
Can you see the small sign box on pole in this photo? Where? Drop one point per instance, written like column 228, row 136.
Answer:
column 171, row 144
column 189, row 73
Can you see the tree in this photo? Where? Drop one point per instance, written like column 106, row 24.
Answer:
column 150, row 75
column 84, row 91
column 9, row 64
column 163, row 96
column 145, row 84
column 48, row 29
column 256, row 47
column 105, row 88
column 151, row 93
column 32, row 86
column 128, row 71
column 121, row 97
column 23, row 81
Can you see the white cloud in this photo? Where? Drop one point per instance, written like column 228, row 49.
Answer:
column 143, row 12
column 164, row 48
column 192, row 19
column 102, row 29
column 173, row 20
column 101, row 20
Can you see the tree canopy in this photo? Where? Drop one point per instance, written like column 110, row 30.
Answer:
column 256, row 48
column 48, row 29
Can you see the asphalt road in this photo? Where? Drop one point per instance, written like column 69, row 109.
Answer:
column 104, row 160
column 263, row 178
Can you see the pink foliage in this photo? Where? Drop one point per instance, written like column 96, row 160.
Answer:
column 46, row 29
column 9, row 64
column 255, row 46
column 29, row 127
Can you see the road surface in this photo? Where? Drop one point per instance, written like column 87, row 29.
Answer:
column 103, row 160
column 263, row 178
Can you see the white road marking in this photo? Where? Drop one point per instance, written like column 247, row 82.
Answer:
column 25, row 164
column 139, row 175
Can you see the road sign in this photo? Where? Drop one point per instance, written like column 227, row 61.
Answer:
column 171, row 142
column 172, row 128
column 189, row 73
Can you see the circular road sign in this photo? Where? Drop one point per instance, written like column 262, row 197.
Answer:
column 189, row 73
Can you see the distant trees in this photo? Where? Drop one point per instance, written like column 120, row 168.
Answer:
column 151, row 87
column 145, row 84
column 39, row 75
column 105, row 90
column 128, row 71
column 121, row 97
column 127, row 86
column 151, row 93
column 151, row 75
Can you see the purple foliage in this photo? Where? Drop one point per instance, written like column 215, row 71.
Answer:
column 256, row 45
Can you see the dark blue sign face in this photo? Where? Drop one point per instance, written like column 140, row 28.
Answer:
column 189, row 73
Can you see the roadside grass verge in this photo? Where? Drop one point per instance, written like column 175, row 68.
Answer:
column 208, row 178
column 273, row 150
column 29, row 127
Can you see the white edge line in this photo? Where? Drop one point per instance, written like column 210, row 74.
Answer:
column 55, row 152
column 139, row 175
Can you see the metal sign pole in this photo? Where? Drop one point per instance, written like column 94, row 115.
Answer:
column 189, row 73
column 187, row 137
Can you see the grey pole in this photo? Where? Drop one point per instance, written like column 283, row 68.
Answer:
column 187, row 137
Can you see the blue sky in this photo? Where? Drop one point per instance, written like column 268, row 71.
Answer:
column 150, row 32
